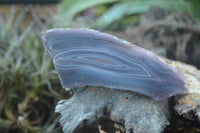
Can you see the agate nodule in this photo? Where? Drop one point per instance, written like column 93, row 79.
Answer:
column 88, row 57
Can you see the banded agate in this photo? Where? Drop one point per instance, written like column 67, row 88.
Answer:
column 88, row 57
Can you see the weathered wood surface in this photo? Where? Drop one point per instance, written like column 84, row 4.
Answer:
column 188, row 105
column 136, row 112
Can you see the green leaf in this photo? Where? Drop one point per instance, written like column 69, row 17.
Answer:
column 72, row 7
column 136, row 7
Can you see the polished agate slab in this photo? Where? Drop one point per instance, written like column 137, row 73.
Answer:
column 88, row 57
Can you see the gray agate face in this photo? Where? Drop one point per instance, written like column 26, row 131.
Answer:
column 87, row 57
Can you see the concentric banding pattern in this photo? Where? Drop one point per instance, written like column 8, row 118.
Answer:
column 87, row 57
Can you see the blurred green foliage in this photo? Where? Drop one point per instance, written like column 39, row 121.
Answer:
column 27, row 77
column 127, row 8
column 72, row 7
column 118, row 9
